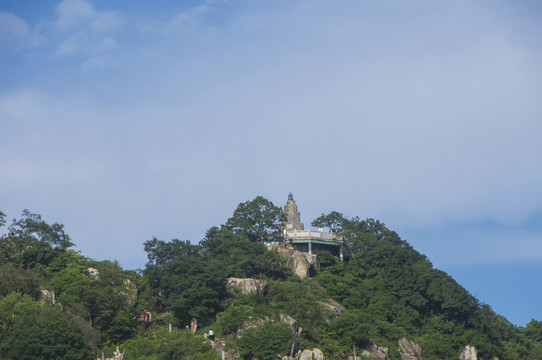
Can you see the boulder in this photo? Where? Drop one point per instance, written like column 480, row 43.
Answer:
column 409, row 350
column 48, row 297
column 296, row 330
column 314, row 354
column 93, row 272
column 469, row 353
column 377, row 352
column 247, row 286
column 298, row 261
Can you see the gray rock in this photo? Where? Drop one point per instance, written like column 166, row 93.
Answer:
column 247, row 286
column 314, row 354
column 469, row 353
column 378, row 352
column 48, row 297
column 409, row 350
column 298, row 261
column 332, row 309
column 93, row 272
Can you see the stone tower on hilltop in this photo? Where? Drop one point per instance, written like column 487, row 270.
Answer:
column 293, row 232
column 293, row 217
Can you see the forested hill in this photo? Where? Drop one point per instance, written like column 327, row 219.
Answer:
column 57, row 304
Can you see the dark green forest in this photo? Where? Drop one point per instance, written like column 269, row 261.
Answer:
column 55, row 303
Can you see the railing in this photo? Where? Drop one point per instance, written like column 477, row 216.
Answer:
column 312, row 234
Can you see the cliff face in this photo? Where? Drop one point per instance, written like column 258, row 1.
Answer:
column 409, row 350
column 247, row 286
column 298, row 261
column 469, row 353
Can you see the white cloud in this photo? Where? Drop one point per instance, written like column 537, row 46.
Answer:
column 80, row 31
column 15, row 30
column 71, row 14
column 13, row 27
column 186, row 21
column 107, row 22
column 67, row 47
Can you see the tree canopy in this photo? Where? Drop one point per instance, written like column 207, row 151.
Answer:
column 30, row 330
column 256, row 218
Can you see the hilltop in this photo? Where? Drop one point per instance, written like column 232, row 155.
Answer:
column 379, row 298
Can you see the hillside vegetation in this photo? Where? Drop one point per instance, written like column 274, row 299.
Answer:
column 57, row 304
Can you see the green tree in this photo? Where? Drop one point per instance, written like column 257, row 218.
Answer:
column 334, row 221
column 159, row 344
column 188, row 282
column 232, row 319
column 299, row 299
column 266, row 341
column 256, row 218
column 31, row 226
column 240, row 257
column 351, row 329
column 109, row 300
column 14, row 278
column 30, row 330
column 533, row 330
column 32, row 242
column 106, row 301
column 2, row 219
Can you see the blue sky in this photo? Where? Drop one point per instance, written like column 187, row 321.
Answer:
column 125, row 120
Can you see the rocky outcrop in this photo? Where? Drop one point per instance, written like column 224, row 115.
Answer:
column 377, row 352
column 296, row 330
column 255, row 322
column 48, row 297
column 409, row 350
column 332, row 309
column 469, row 353
column 224, row 352
column 314, row 354
column 129, row 290
column 247, row 286
column 93, row 272
column 300, row 262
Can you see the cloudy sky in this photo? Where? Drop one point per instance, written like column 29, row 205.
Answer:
column 129, row 119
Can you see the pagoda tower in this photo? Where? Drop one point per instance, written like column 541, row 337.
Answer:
column 293, row 217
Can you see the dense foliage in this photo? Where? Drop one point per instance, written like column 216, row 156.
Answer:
column 255, row 218
column 57, row 304
column 31, row 330
column 266, row 341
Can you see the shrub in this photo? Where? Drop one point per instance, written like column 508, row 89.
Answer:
column 266, row 341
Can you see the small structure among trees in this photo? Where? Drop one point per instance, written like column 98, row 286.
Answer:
column 292, row 231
